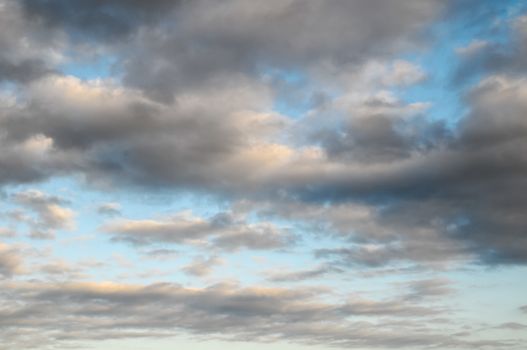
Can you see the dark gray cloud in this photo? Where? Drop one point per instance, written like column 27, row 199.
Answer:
column 15, row 167
column 466, row 188
column 399, row 252
column 27, row 50
column 189, row 44
column 23, row 71
column 102, row 19
column 449, row 198
column 212, row 41
column 367, row 236
column 383, row 138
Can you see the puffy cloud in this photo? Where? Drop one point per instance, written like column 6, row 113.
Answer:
column 51, row 215
column 109, row 133
column 428, row 203
column 191, row 106
column 29, row 160
column 406, row 162
column 445, row 191
column 28, row 51
column 195, row 44
column 235, row 37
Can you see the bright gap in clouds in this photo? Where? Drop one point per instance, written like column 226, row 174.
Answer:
column 282, row 175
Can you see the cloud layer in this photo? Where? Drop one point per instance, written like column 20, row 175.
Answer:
column 317, row 141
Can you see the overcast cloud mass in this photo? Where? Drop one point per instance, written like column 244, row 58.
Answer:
column 281, row 174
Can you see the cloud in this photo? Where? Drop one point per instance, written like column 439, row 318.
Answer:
column 29, row 160
column 512, row 326
column 103, row 20
column 60, row 269
column 488, row 57
column 110, row 209
column 472, row 48
column 430, row 288
column 443, row 191
column 201, row 267
column 296, row 276
column 50, row 214
column 113, row 134
column 192, row 102
column 417, row 165
column 223, row 231
column 52, row 313
column 10, row 261
column 22, row 61
column 7, row 232
column 161, row 254
column 237, row 38
column 365, row 236
column 389, row 308
column 429, row 250
column 167, row 33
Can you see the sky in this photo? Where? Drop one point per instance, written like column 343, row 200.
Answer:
column 278, row 175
